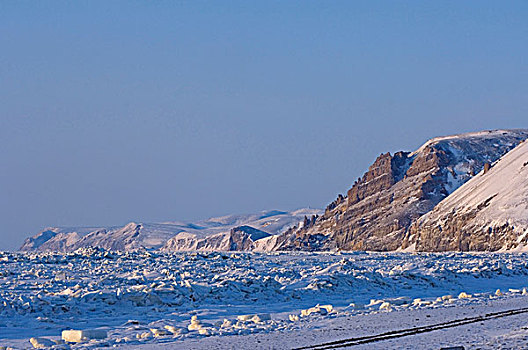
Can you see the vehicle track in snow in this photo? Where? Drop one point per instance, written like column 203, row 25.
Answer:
column 349, row 342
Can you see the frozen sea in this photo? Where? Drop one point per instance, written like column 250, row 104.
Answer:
column 146, row 300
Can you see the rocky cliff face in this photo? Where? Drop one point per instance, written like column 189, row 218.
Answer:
column 397, row 190
column 488, row 213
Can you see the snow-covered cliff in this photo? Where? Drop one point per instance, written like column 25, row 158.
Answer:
column 398, row 189
column 489, row 212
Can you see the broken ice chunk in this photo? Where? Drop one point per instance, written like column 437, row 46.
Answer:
column 385, row 306
column 260, row 318
column 204, row 331
column 355, row 306
column 196, row 325
column 226, row 323
column 420, row 302
column 293, row 318
column 464, row 295
column 77, row 336
column 374, row 302
column 159, row 332
column 329, row 308
column 41, row 343
column 314, row 310
column 143, row 335
column 244, row 317
column 176, row 330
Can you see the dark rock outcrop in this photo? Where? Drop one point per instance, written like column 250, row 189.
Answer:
column 243, row 238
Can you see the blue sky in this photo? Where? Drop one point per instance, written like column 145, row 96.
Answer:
column 112, row 111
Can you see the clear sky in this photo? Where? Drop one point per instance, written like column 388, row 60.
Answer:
column 113, row 111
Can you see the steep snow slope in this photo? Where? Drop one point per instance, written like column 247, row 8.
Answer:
column 489, row 212
column 398, row 189
column 155, row 235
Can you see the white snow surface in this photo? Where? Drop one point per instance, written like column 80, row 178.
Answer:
column 218, row 300
column 470, row 136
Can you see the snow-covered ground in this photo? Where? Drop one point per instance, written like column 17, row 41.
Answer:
column 146, row 300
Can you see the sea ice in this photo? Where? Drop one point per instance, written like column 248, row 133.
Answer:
column 132, row 292
column 77, row 336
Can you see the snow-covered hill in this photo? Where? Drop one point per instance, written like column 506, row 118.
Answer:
column 489, row 212
column 156, row 235
column 398, row 189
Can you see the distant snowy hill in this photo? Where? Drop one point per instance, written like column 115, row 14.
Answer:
column 397, row 190
column 233, row 228
column 489, row 212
